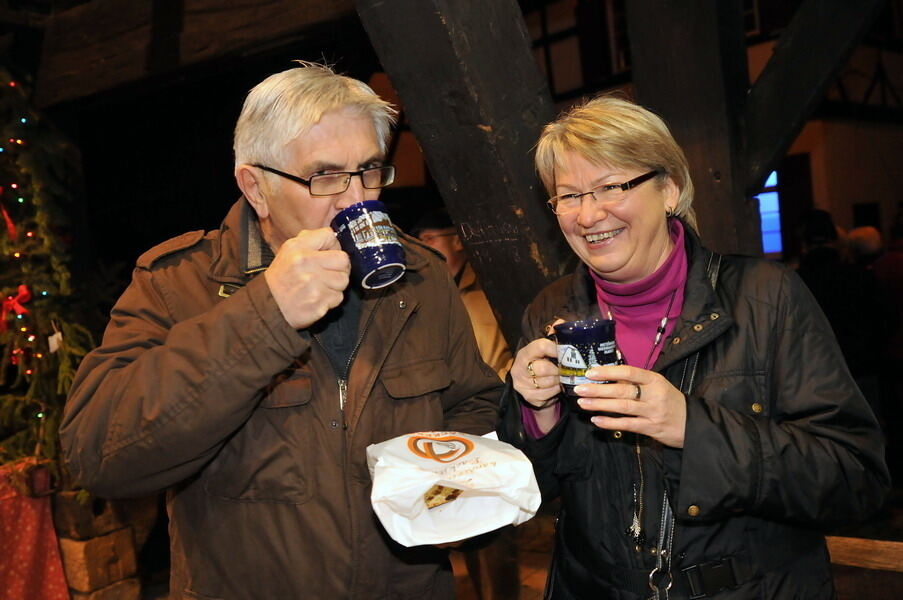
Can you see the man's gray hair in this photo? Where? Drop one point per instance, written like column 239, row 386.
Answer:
column 286, row 105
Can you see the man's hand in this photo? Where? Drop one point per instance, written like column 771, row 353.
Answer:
column 308, row 276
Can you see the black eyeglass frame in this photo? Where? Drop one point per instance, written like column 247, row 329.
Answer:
column 307, row 182
column 627, row 185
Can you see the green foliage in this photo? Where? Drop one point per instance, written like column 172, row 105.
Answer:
column 39, row 349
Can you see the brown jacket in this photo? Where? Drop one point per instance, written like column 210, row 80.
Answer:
column 490, row 340
column 200, row 387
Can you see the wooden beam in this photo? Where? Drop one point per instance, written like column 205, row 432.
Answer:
column 477, row 101
column 806, row 59
column 689, row 65
column 866, row 553
column 103, row 44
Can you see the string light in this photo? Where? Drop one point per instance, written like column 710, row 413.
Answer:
column 40, row 415
column 28, row 371
column 29, row 234
column 44, row 293
column 31, row 338
column 23, row 329
column 16, row 254
column 23, row 120
column 38, row 355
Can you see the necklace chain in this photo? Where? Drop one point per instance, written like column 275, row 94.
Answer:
column 635, row 529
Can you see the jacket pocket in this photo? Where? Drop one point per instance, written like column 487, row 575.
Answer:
column 291, row 390
column 418, row 379
column 742, row 391
column 269, row 458
column 412, row 400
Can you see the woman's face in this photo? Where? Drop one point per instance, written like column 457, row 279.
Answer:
column 624, row 240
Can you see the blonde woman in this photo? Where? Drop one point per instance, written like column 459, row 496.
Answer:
column 743, row 435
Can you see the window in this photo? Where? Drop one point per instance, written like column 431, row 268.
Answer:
column 770, row 215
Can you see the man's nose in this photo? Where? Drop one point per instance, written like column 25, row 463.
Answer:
column 354, row 194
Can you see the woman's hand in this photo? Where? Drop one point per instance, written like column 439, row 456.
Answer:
column 535, row 377
column 650, row 404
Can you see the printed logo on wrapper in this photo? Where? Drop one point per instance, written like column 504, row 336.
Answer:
column 443, row 449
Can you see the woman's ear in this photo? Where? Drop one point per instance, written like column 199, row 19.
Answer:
column 254, row 187
column 671, row 196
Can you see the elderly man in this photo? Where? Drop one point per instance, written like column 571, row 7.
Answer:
column 243, row 374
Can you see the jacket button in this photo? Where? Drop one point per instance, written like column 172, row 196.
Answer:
column 756, row 407
column 697, row 327
column 714, row 316
column 675, row 341
column 334, row 423
column 693, row 510
column 402, row 304
column 617, row 435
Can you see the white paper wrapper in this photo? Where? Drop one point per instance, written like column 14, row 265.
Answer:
column 497, row 482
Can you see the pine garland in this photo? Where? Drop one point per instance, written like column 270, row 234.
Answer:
column 43, row 341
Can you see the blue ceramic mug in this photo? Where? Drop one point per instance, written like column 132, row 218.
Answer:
column 365, row 232
column 581, row 346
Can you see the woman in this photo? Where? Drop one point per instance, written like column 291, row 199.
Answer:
column 742, row 435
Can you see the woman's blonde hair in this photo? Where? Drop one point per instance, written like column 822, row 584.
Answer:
column 616, row 132
column 285, row 105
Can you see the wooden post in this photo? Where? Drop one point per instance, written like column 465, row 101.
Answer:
column 477, row 102
column 689, row 66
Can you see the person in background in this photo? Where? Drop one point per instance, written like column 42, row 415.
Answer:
column 436, row 230
column 865, row 245
column 492, row 569
column 738, row 435
column 855, row 305
column 245, row 375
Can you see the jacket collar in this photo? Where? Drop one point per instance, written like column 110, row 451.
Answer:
column 240, row 251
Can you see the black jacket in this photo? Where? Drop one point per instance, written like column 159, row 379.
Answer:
column 779, row 446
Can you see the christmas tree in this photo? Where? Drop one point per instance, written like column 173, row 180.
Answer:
column 41, row 339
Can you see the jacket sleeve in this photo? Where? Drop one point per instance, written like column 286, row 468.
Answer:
column 158, row 399
column 471, row 403
column 542, row 452
column 818, row 459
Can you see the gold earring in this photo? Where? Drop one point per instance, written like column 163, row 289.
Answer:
column 669, row 212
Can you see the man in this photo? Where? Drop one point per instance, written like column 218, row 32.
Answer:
column 493, row 569
column 242, row 373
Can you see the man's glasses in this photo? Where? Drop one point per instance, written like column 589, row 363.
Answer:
column 610, row 192
column 327, row 184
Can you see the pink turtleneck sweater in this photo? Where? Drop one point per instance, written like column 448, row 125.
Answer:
column 637, row 309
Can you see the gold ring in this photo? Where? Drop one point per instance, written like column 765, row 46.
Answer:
column 532, row 374
column 639, row 391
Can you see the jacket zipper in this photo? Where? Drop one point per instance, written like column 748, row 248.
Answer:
column 342, row 379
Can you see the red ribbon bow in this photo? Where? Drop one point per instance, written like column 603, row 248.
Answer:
column 14, row 304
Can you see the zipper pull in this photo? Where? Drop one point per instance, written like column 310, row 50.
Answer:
column 343, row 394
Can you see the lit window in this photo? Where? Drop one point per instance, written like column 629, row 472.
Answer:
column 770, row 215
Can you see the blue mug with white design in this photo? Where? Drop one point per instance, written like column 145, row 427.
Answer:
column 581, row 346
column 366, row 234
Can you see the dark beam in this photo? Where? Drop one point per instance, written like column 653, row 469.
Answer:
column 477, row 101
column 806, row 59
column 105, row 44
column 689, row 65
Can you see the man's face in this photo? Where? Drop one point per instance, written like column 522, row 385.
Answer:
column 445, row 241
column 343, row 140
